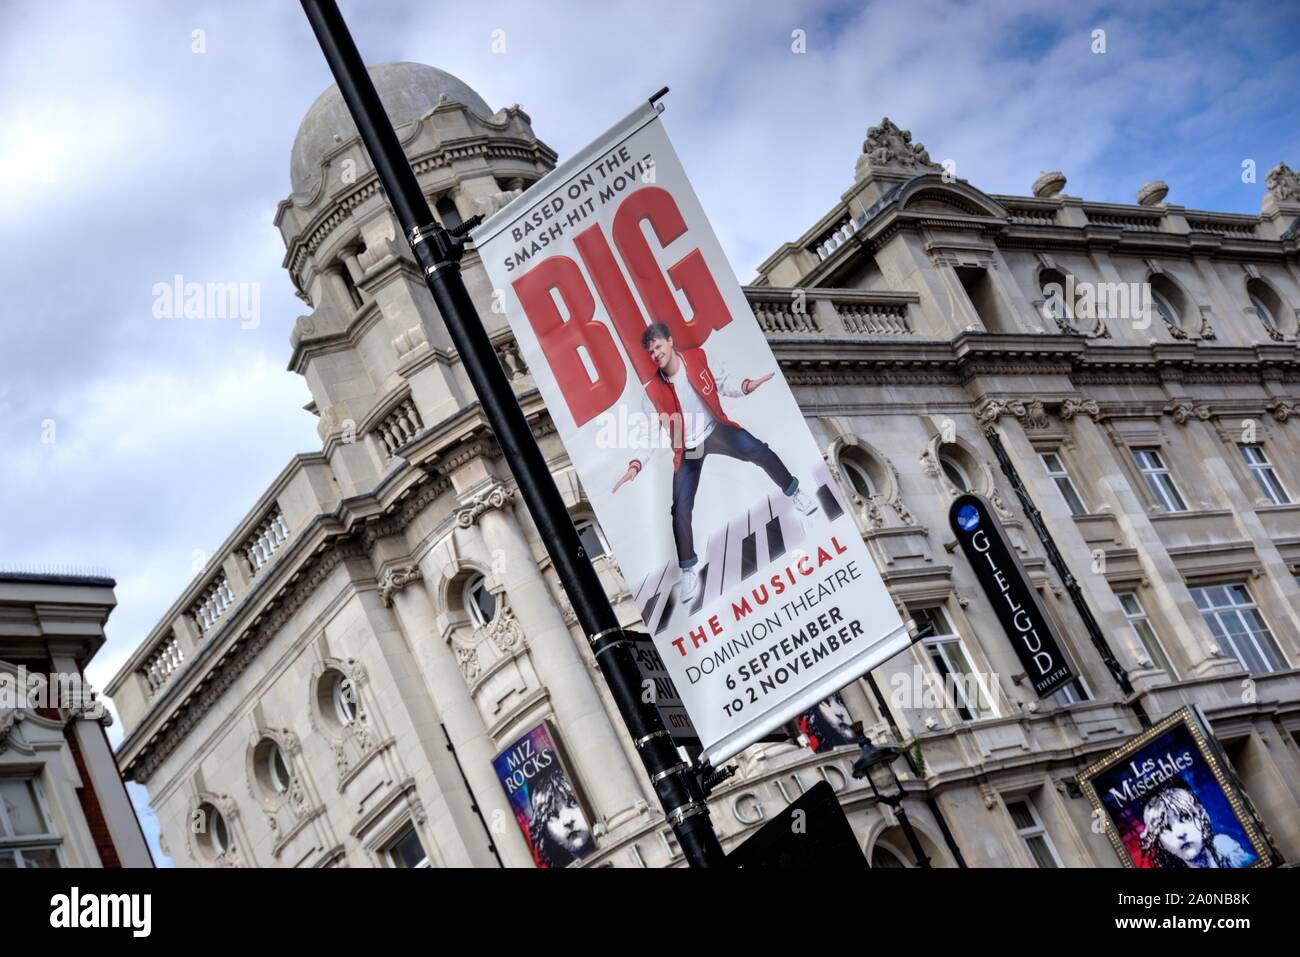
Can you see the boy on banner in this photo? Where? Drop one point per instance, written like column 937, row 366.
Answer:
column 684, row 397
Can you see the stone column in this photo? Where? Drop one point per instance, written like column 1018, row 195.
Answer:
column 403, row 590
column 592, row 741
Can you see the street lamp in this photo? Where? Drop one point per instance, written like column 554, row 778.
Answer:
column 876, row 764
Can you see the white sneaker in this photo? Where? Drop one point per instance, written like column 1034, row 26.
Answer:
column 688, row 586
column 803, row 503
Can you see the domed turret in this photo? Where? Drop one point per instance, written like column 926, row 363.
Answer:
column 407, row 90
column 373, row 349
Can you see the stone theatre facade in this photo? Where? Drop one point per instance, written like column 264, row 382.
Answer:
column 333, row 687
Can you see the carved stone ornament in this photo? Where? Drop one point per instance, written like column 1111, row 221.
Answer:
column 1152, row 193
column 991, row 410
column 1282, row 409
column 1072, row 407
column 1049, row 184
column 395, row 579
column 1182, row 412
column 875, row 515
column 888, row 147
column 504, row 631
column 498, row 496
column 929, row 464
column 995, row 499
column 489, row 206
column 9, row 719
column 1283, row 184
column 467, row 658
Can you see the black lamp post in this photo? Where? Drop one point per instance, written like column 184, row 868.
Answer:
column 876, row 764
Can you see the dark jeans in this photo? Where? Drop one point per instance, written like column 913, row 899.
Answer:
column 733, row 443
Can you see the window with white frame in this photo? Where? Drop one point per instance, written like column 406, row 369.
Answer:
column 1064, row 484
column 1238, row 627
column 480, row 604
column 406, row 850
column 1030, row 828
column 27, row 837
column 1141, row 625
column 1159, row 481
column 1262, row 469
column 963, row 686
column 591, row 536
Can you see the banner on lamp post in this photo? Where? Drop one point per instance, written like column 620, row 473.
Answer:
column 742, row 556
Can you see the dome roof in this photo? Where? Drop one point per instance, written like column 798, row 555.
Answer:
column 407, row 90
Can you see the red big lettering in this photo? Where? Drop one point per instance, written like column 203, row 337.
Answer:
column 560, row 340
column 690, row 274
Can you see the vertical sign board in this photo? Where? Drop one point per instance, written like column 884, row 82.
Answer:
column 744, row 560
column 1015, row 600
column 542, row 793
column 1167, row 801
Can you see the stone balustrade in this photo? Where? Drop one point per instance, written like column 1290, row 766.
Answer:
column 164, row 661
column 269, row 536
column 212, row 604
column 399, row 426
column 831, row 313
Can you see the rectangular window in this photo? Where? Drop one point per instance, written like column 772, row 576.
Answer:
column 1238, row 627
column 1158, row 479
column 27, row 838
column 406, row 850
column 1064, row 484
column 1262, row 469
column 1141, row 625
column 1031, row 830
column 962, row 685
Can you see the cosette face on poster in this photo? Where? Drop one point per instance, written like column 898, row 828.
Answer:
column 1169, row 803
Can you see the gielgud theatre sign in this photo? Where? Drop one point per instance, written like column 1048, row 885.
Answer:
column 747, row 567
column 1014, row 599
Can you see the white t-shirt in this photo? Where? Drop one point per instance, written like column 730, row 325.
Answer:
column 697, row 420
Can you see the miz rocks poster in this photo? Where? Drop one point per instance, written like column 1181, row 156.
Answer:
column 544, row 799
column 741, row 554
column 1167, row 801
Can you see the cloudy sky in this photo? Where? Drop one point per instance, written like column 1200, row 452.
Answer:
column 134, row 149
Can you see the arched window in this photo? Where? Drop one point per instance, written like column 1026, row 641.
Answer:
column 480, row 604
column 213, row 835
column 1168, row 302
column 1267, row 305
column 279, row 769
column 1058, row 296
column 858, row 477
column 884, row 856
column 955, row 474
column 344, row 698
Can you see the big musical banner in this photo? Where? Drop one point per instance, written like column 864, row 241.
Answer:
column 746, row 564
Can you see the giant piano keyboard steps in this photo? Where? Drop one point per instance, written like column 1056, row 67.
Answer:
column 736, row 552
